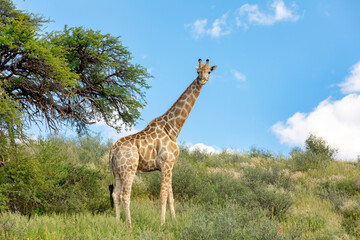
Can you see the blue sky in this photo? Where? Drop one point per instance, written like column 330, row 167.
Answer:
column 285, row 68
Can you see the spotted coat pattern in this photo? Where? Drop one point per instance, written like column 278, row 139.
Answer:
column 154, row 148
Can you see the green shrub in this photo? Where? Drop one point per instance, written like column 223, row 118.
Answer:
column 318, row 146
column 84, row 149
column 23, row 184
column 43, row 179
column 338, row 191
column 230, row 222
column 305, row 224
column 3, row 199
column 317, row 155
column 260, row 153
column 303, row 161
column 193, row 157
column 224, row 188
column 152, row 182
column 270, row 189
column 222, row 159
column 188, row 182
column 225, row 159
column 350, row 186
column 273, row 176
column 327, row 191
column 275, row 201
column 91, row 149
column 351, row 217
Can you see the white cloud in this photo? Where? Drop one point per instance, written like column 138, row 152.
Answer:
column 282, row 13
column 249, row 14
column 198, row 28
column 239, row 76
column 338, row 122
column 204, row 148
column 352, row 82
column 218, row 28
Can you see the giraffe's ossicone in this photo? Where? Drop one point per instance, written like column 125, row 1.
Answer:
column 154, row 148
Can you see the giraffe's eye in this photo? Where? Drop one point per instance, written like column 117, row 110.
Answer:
column 209, row 72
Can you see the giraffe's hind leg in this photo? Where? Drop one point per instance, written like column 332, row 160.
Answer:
column 125, row 167
column 117, row 195
column 125, row 194
column 117, row 186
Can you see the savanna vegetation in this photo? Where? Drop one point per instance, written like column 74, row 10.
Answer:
column 57, row 188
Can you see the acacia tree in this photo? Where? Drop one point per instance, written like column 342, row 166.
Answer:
column 76, row 76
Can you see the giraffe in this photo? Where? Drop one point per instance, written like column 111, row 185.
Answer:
column 154, row 148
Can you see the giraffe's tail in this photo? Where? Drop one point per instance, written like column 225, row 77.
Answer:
column 111, row 189
column 111, row 186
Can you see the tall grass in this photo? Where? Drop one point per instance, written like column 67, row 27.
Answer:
column 146, row 221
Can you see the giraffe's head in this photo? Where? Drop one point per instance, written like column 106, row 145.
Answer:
column 204, row 71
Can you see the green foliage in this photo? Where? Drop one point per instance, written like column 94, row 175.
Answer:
column 270, row 190
column 345, row 186
column 275, row 201
column 329, row 191
column 91, row 149
column 272, row 176
column 21, row 43
column 308, row 224
column 344, row 194
column 303, row 161
column 318, row 146
column 258, row 152
column 43, row 179
column 317, row 155
column 103, row 65
column 74, row 76
column 351, row 213
column 230, row 222
column 11, row 127
column 226, row 158
column 223, row 188
column 85, row 149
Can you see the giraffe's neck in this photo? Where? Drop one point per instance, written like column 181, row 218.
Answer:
column 176, row 116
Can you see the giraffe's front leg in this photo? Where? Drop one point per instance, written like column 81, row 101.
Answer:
column 171, row 202
column 127, row 177
column 165, row 186
column 125, row 194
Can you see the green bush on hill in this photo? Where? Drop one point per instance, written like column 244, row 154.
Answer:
column 42, row 178
column 317, row 154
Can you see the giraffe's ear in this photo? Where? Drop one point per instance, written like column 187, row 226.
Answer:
column 196, row 67
column 213, row 68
